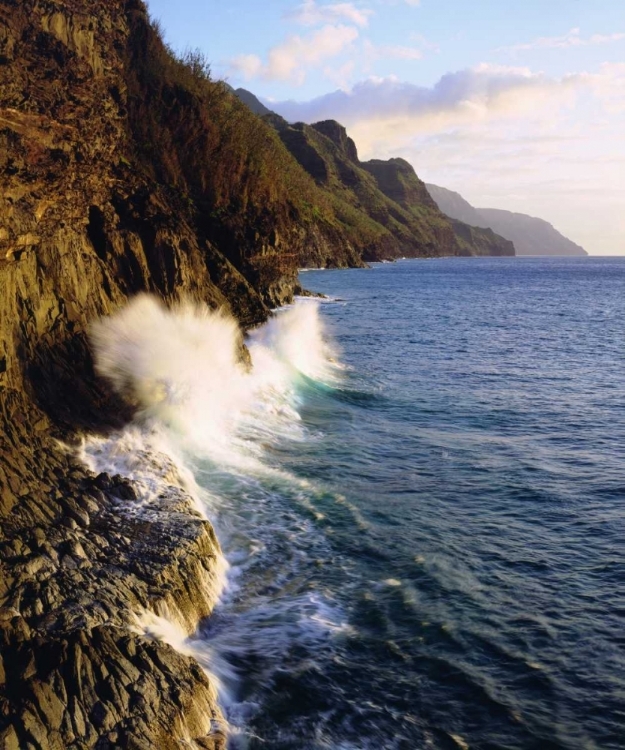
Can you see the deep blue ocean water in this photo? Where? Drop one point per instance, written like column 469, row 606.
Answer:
column 450, row 571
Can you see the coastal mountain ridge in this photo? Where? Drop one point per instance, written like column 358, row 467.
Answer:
column 383, row 200
column 531, row 235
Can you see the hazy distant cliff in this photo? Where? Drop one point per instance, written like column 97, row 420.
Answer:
column 531, row 236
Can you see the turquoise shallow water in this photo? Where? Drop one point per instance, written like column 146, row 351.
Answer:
column 450, row 571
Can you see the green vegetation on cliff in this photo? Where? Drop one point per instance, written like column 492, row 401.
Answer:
column 397, row 179
column 382, row 206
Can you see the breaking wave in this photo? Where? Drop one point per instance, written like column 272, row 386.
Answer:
column 211, row 416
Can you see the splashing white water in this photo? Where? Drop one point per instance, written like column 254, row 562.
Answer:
column 184, row 368
column 198, row 400
column 295, row 338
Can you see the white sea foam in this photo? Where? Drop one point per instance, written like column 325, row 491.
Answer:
column 184, row 368
column 200, row 405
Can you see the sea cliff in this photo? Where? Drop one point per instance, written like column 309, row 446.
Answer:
column 530, row 235
column 123, row 169
column 99, row 202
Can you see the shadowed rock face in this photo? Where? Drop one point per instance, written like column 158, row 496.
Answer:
column 338, row 135
column 74, row 566
column 397, row 179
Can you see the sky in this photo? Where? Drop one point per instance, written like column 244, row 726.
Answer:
column 515, row 105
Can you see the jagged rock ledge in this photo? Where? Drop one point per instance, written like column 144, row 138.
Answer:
column 81, row 554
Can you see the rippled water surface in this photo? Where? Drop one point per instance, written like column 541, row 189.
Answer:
column 435, row 555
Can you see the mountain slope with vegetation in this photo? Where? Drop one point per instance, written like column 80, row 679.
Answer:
column 384, row 206
column 123, row 169
column 410, row 225
column 397, row 179
column 531, row 236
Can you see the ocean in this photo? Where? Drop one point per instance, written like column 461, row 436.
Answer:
column 419, row 490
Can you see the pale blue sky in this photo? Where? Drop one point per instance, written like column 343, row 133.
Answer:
column 529, row 114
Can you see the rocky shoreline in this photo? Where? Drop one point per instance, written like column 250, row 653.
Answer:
column 80, row 232
column 121, row 172
column 77, row 565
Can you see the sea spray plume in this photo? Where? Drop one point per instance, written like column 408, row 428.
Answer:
column 181, row 365
column 295, row 337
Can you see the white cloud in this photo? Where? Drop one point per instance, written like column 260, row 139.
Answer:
column 309, row 13
column 373, row 52
column 387, row 107
column 571, row 39
column 289, row 60
column 609, row 86
column 342, row 75
column 249, row 66
column 558, row 171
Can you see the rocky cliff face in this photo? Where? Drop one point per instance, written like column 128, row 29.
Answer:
column 397, row 179
column 481, row 241
column 121, row 170
column 531, row 236
column 454, row 205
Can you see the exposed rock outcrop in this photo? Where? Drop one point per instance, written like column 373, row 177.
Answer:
column 397, row 179
column 76, row 562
